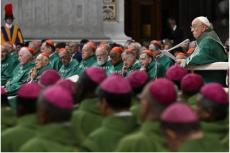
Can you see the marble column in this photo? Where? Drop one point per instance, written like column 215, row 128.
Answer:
column 113, row 13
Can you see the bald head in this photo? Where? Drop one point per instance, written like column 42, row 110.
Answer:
column 24, row 55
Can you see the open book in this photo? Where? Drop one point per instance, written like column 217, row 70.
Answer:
column 165, row 52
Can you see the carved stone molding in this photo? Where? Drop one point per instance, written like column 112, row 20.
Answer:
column 109, row 10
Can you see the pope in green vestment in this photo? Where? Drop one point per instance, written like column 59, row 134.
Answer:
column 14, row 138
column 107, row 137
column 209, row 50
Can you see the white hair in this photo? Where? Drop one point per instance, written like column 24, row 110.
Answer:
column 25, row 51
column 205, row 21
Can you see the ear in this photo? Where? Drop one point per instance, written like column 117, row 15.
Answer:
column 103, row 107
column 144, row 109
column 41, row 118
column 170, row 134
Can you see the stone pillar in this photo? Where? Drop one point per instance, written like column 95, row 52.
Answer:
column 58, row 19
column 113, row 12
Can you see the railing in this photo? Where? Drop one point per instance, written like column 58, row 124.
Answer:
column 212, row 66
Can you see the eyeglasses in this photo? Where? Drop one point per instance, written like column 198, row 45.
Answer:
column 195, row 26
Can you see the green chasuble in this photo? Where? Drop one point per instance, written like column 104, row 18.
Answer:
column 51, row 138
column 155, row 70
column 7, row 67
column 218, row 129
column 106, row 138
column 20, row 76
column 14, row 56
column 69, row 70
column 86, row 63
column 147, row 139
column 8, row 118
column 205, row 144
column 14, row 138
column 86, row 119
column 209, row 50
column 116, row 68
column 106, row 66
column 55, row 61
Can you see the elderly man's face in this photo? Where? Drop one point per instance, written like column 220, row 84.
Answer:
column 102, row 56
column 129, row 59
column 65, row 57
column 45, row 48
column 23, row 56
column 71, row 47
column 197, row 28
column 144, row 60
column 40, row 61
column 115, row 57
column 3, row 53
column 86, row 52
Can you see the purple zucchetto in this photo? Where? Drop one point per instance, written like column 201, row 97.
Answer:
column 215, row 93
column 179, row 113
column 191, row 83
column 176, row 73
column 29, row 90
column 49, row 77
column 163, row 91
column 96, row 74
column 58, row 97
column 116, row 84
column 137, row 79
